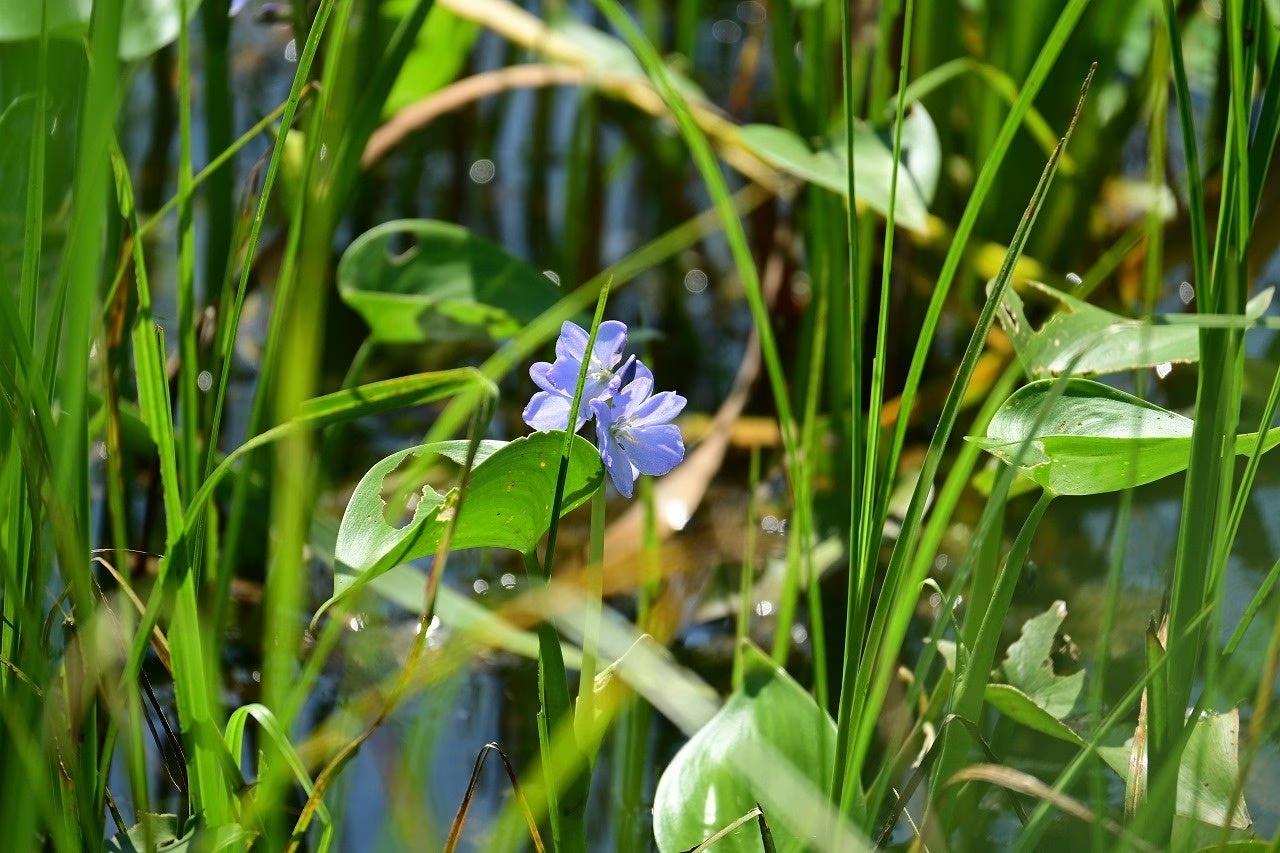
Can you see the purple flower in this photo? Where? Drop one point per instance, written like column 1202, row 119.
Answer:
column 549, row 407
column 635, row 433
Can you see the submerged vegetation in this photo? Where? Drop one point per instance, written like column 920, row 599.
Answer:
column 955, row 529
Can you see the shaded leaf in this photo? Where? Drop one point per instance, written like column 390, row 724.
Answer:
column 1093, row 438
column 508, row 504
column 1207, row 776
column 146, row 25
column 1087, row 340
column 1028, row 665
column 701, row 790
column 165, row 838
column 873, row 165
column 447, row 285
column 1021, row 708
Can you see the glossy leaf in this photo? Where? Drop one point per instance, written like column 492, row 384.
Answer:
column 872, row 162
column 1087, row 340
column 146, row 25
column 508, row 504
column 447, row 285
column 1093, row 438
column 702, row 790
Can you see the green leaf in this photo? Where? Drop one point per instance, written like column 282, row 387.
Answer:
column 1094, row 438
column 1021, row 708
column 1207, row 776
column 165, row 838
column 1028, row 665
column 702, row 790
column 1087, row 340
column 438, row 55
column 1011, row 701
column 147, row 25
column 274, row 733
column 508, row 504
column 872, row 162
column 448, row 285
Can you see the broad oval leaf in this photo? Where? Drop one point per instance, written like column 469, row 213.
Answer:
column 1093, row 438
column 447, row 285
column 1086, row 340
column 872, row 163
column 508, row 504
column 146, row 25
column 701, row 791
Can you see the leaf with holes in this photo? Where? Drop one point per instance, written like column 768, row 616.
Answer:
column 1028, row 665
column 702, row 789
column 508, row 504
column 447, row 284
column 1086, row 340
column 1093, row 438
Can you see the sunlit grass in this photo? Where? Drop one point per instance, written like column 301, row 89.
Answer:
column 199, row 577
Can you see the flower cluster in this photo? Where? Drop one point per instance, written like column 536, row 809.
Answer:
column 634, row 428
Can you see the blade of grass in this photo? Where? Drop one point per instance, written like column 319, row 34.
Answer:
column 1045, row 60
column 896, row 602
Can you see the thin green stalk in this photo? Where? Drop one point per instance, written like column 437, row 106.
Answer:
column 1205, row 499
column 1251, row 610
column 940, row 518
column 219, row 117
column 971, row 684
column 632, row 745
column 584, row 712
column 283, row 385
column 1190, row 149
column 869, row 515
column 896, row 603
column 33, row 223
column 1045, row 60
column 858, row 587
column 851, row 694
column 801, row 544
column 705, row 160
column 226, row 346
column 746, row 575
column 188, row 361
column 569, row 831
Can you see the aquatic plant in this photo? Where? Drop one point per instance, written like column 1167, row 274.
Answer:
column 940, row 543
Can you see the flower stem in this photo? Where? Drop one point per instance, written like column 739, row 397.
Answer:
column 568, row 807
